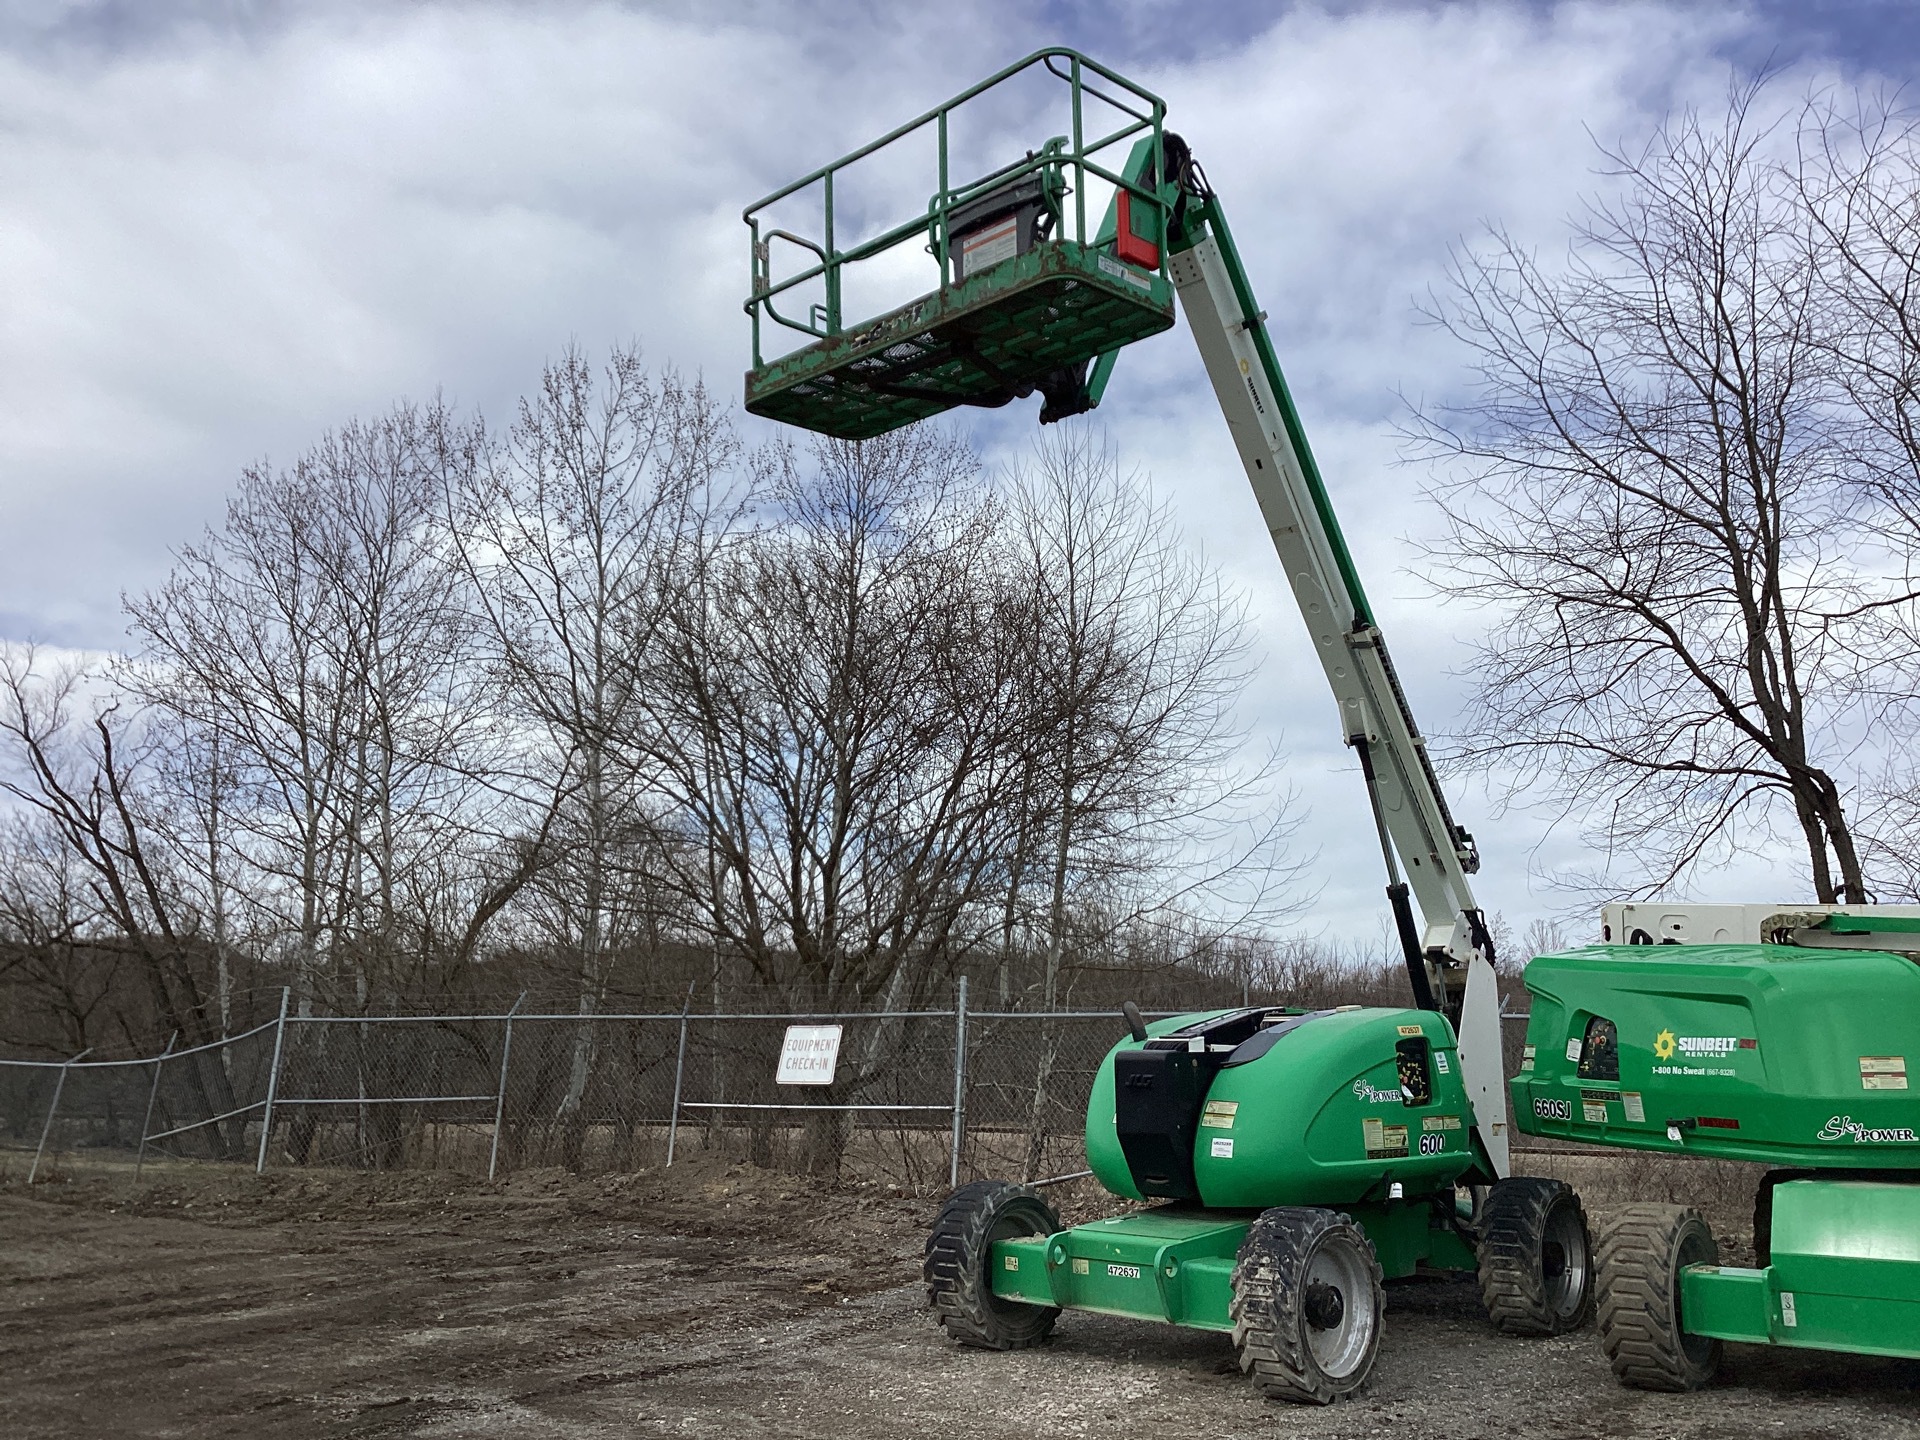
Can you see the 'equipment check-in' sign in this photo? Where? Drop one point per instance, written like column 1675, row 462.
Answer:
column 809, row 1055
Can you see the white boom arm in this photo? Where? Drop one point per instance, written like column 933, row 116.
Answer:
column 1408, row 807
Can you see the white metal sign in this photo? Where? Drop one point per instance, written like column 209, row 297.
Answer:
column 809, row 1055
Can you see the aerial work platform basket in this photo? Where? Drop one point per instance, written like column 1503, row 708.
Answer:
column 1018, row 296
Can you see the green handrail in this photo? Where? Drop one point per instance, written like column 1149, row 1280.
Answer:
column 1073, row 152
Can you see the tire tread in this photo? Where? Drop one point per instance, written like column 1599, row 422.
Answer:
column 959, row 1290
column 1512, row 1281
column 1638, row 1260
column 1265, row 1310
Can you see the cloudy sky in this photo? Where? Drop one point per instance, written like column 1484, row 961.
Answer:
column 225, row 228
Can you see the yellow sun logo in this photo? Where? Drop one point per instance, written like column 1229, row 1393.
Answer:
column 1663, row 1045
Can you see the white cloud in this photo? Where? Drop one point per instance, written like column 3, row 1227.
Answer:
column 215, row 243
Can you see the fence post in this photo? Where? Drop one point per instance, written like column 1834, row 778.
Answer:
column 47, row 1128
column 679, row 1071
column 500, row 1102
column 146, row 1124
column 273, row 1080
column 959, row 1083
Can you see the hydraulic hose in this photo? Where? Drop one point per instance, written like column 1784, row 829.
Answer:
column 1397, row 894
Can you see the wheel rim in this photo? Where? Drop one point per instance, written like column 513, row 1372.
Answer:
column 1338, row 1268
column 1564, row 1263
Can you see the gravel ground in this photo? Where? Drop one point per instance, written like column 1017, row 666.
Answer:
column 713, row 1301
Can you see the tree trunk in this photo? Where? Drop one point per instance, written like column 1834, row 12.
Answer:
column 826, row 1139
column 1050, row 989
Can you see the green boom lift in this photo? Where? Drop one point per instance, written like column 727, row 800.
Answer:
column 1778, row 1034
column 1290, row 1160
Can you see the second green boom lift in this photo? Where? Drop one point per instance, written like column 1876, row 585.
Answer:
column 1291, row 1160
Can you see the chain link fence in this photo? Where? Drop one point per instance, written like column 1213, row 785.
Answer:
column 920, row 1099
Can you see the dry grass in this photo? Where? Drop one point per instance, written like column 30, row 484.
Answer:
column 1722, row 1190
column 915, row 1161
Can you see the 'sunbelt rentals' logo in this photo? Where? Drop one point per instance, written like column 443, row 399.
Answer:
column 1699, row 1047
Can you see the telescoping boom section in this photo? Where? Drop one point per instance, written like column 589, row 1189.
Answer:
column 1023, row 290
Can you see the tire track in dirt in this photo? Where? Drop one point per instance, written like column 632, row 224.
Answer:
column 709, row 1302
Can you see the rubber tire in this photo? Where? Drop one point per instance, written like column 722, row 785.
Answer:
column 1514, row 1226
column 1269, row 1333
column 959, row 1249
column 1641, row 1252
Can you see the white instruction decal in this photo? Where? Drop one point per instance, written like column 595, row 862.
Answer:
column 1127, row 273
column 1883, row 1072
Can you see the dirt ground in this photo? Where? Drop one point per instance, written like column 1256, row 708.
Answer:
column 708, row 1301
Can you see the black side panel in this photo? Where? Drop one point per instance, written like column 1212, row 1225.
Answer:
column 1157, row 1099
column 1265, row 1038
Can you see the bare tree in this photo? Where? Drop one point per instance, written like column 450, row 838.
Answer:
column 317, row 644
column 835, row 710
column 1135, row 656
column 568, row 533
column 316, row 653
column 59, row 979
column 578, row 699
column 1656, row 493
column 237, row 643
column 83, row 779
column 197, row 782
column 831, row 716
column 1857, row 172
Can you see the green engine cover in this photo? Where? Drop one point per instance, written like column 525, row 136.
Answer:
column 1774, row 1053
column 1320, row 1118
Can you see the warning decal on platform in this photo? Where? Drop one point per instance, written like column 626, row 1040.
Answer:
column 990, row 246
column 1135, row 278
